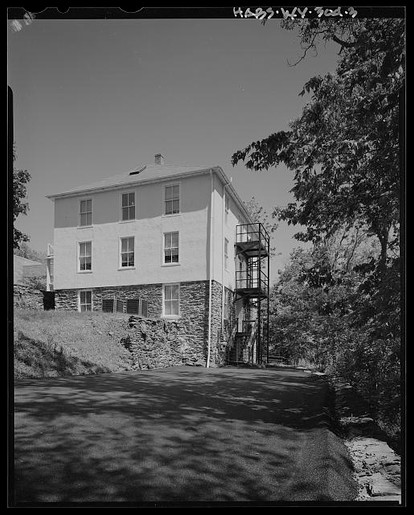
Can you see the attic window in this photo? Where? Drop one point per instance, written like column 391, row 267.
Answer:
column 136, row 172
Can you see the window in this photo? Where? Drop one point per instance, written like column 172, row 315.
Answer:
column 137, row 307
column 172, row 199
column 107, row 305
column 227, row 311
column 85, row 212
column 226, row 253
column 171, row 247
column 132, row 306
column 226, row 208
column 226, row 305
column 128, row 206
column 85, row 300
column 127, row 252
column 85, row 256
column 171, row 299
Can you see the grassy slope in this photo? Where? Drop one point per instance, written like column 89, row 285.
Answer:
column 57, row 343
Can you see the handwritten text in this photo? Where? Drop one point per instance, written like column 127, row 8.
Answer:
column 260, row 13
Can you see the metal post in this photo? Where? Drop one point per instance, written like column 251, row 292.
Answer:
column 268, row 298
column 259, row 271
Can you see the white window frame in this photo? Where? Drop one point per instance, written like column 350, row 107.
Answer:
column 80, row 243
column 80, row 304
column 89, row 199
column 226, row 254
column 128, row 206
column 165, row 248
column 165, row 200
column 164, row 300
column 129, row 267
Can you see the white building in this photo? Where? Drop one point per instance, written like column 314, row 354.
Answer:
column 158, row 241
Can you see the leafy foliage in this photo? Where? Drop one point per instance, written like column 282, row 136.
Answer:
column 259, row 215
column 27, row 252
column 334, row 313
column 20, row 179
column 344, row 148
column 338, row 305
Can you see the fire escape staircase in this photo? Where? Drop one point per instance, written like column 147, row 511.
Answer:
column 252, row 246
column 241, row 343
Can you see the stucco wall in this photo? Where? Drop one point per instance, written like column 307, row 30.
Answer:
column 192, row 224
column 225, row 227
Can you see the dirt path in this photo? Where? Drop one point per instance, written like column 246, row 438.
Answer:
column 183, row 434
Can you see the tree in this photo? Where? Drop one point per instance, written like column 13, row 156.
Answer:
column 20, row 179
column 27, row 252
column 259, row 215
column 344, row 148
column 324, row 313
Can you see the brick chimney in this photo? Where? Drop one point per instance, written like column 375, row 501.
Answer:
column 159, row 159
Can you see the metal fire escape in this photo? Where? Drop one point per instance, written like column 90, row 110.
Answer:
column 249, row 342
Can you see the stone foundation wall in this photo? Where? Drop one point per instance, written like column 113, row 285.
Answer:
column 161, row 343
column 66, row 300
column 152, row 293
column 27, row 297
column 190, row 329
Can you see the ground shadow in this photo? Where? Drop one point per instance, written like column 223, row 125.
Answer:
column 181, row 434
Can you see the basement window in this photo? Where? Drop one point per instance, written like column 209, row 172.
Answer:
column 171, row 298
column 137, row 307
column 108, row 305
column 85, row 300
column 132, row 306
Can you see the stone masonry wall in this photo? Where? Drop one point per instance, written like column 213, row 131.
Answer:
column 27, row 297
column 66, row 300
column 190, row 329
column 160, row 343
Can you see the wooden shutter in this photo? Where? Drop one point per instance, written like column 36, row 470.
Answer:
column 144, row 308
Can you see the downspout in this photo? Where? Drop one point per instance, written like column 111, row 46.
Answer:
column 222, row 255
column 210, row 273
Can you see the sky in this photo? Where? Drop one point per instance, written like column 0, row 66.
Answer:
column 95, row 98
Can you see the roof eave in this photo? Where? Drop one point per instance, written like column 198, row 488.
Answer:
column 123, row 185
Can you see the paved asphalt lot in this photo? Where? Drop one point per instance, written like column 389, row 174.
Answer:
column 182, row 434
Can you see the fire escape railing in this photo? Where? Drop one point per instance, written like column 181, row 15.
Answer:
column 252, row 245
